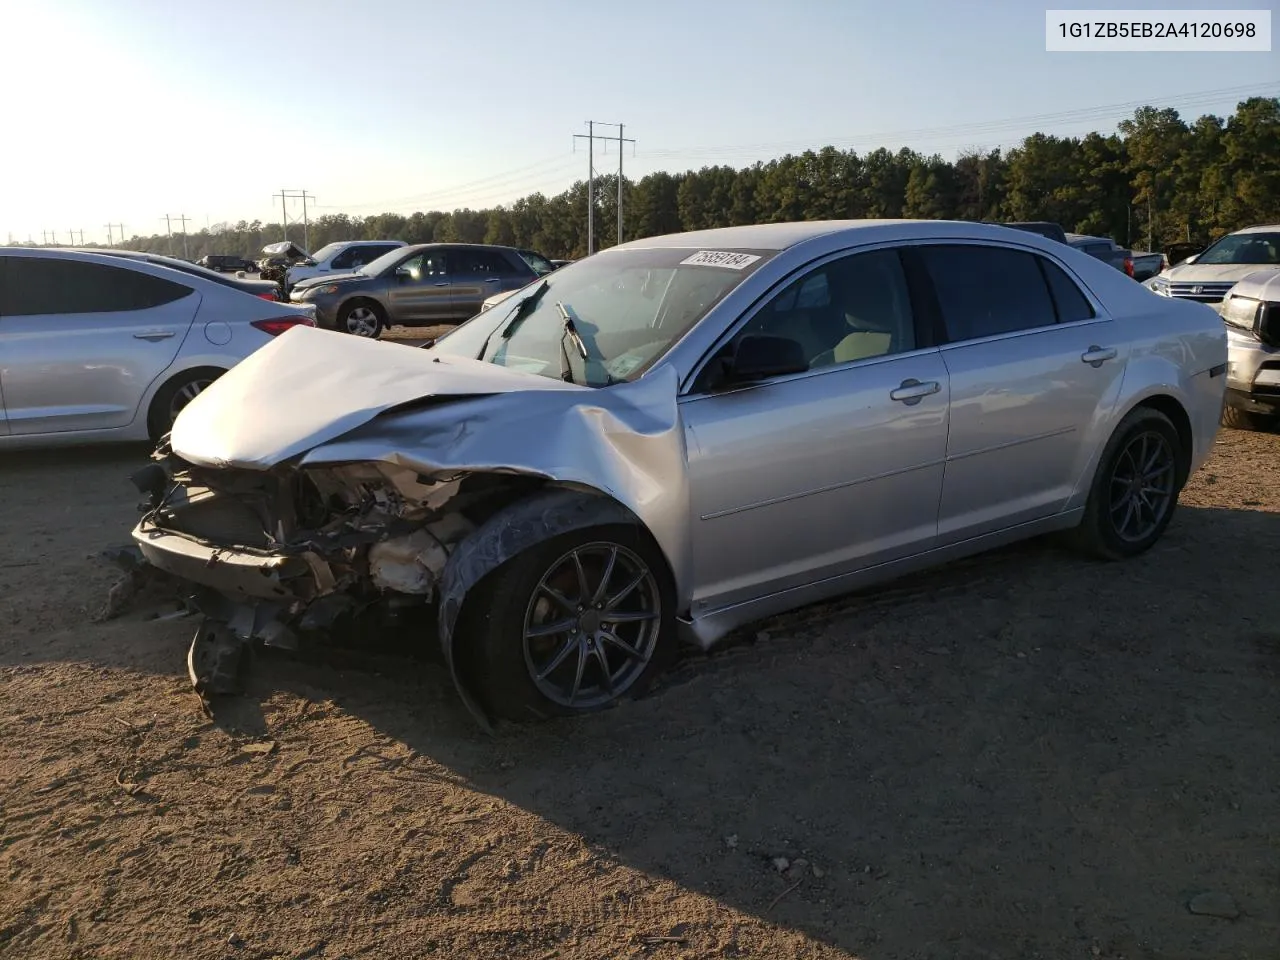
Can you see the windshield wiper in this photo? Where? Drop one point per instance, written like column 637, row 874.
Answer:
column 566, row 320
column 571, row 329
column 522, row 310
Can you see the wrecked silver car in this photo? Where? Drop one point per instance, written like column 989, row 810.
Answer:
column 675, row 437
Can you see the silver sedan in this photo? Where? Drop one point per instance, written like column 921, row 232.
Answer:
column 98, row 347
column 680, row 435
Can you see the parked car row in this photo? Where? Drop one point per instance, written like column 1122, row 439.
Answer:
column 419, row 285
column 670, row 439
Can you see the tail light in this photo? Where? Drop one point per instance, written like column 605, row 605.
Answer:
column 278, row 325
column 269, row 295
column 1128, row 266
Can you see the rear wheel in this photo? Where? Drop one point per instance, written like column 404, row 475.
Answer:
column 572, row 625
column 362, row 318
column 173, row 397
column 1135, row 489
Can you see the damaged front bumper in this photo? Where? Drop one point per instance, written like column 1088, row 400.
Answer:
column 308, row 547
column 236, row 573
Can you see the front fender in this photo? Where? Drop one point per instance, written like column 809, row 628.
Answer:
column 507, row 533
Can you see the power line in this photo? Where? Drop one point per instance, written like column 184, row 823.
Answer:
column 464, row 187
column 1099, row 112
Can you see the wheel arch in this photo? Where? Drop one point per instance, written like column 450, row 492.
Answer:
column 547, row 512
column 1172, row 408
column 168, row 379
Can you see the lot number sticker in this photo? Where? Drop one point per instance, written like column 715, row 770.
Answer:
column 719, row 258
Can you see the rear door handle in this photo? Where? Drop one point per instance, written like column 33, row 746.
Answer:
column 913, row 391
column 444, row 284
column 154, row 335
column 1096, row 355
column 493, row 280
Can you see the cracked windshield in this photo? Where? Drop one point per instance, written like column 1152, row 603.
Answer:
column 626, row 308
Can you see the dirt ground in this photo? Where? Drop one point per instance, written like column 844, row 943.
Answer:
column 1026, row 755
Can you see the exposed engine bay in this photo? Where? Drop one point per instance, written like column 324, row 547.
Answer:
column 272, row 555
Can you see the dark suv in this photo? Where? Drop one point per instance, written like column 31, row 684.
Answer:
column 419, row 286
column 225, row 264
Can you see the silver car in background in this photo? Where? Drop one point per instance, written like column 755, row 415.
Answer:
column 97, row 347
column 678, row 436
column 1251, row 311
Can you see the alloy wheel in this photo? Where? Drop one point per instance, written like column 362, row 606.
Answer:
column 185, row 394
column 591, row 626
column 362, row 322
column 1142, row 486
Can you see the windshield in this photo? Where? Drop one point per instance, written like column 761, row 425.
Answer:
column 537, row 262
column 328, row 250
column 389, row 259
column 628, row 308
column 1244, row 248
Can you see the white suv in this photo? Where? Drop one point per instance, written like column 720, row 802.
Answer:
column 346, row 256
column 1210, row 274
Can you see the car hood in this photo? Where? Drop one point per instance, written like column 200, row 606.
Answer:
column 310, row 385
column 329, row 278
column 1209, row 272
column 1261, row 284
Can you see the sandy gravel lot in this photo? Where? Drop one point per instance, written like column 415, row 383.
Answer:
column 1027, row 755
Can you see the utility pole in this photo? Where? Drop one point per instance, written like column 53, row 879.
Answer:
column 295, row 195
column 183, row 217
column 169, row 227
column 284, row 211
column 110, row 241
column 591, row 138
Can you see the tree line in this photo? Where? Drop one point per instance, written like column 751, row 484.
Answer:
column 1156, row 180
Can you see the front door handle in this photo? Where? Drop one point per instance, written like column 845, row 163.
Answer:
column 913, row 391
column 444, row 284
column 1096, row 355
column 154, row 335
column 493, row 280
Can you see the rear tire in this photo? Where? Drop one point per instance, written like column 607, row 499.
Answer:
column 521, row 676
column 362, row 318
column 1238, row 419
column 170, row 399
column 1135, row 489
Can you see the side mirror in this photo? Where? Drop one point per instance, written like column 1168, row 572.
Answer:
column 760, row 357
column 1192, row 259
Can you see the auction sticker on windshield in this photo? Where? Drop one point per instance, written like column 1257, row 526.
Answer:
column 719, row 258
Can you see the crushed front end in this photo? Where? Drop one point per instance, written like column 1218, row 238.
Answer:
column 274, row 554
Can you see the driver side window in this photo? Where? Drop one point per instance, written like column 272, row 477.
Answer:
column 849, row 309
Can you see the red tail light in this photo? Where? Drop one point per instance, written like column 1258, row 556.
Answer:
column 269, row 295
column 279, row 325
column 1128, row 266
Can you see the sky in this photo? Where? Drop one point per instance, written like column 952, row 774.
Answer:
column 124, row 111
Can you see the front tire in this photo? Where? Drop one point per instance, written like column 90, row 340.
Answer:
column 1135, row 490
column 362, row 318
column 573, row 625
column 1238, row 419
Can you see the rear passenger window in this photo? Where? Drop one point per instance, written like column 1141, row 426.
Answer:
column 484, row 263
column 986, row 291
column 47, row 285
column 1072, row 305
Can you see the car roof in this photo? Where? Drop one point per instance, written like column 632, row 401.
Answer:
column 781, row 236
column 1260, row 228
